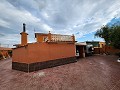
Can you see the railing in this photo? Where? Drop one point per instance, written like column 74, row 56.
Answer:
column 58, row 37
column 6, row 45
column 54, row 37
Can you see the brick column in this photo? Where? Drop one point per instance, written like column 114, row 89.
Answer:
column 73, row 38
column 49, row 36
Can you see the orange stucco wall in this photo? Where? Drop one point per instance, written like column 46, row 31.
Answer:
column 40, row 38
column 20, row 55
column 39, row 52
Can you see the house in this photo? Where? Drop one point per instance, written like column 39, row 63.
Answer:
column 49, row 50
column 94, row 43
column 5, row 52
column 99, row 47
column 102, row 44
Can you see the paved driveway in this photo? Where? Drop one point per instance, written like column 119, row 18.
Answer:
column 97, row 72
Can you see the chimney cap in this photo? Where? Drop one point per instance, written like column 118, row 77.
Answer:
column 24, row 29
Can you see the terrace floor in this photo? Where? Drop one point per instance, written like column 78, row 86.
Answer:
column 99, row 72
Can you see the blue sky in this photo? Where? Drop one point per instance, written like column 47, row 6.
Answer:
column 90, row 36
column 79, row 17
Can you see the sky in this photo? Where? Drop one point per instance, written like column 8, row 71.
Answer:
column 79, row 17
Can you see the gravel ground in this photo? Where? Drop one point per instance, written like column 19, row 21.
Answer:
column 98, row 72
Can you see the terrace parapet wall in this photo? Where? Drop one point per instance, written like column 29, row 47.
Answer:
column 41, row 37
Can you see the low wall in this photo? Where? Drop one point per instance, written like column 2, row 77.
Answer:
column 97, row 50
column 106, row 49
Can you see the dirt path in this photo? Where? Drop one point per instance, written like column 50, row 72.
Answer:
column 97, row 72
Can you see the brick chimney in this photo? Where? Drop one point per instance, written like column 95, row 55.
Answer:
column 24, row 36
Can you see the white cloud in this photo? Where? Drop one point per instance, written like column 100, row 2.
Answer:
column 77, row 17
column 4, row 23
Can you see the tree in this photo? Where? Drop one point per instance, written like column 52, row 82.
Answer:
column 105, row 33
column 111, row 35
column 115, row 37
